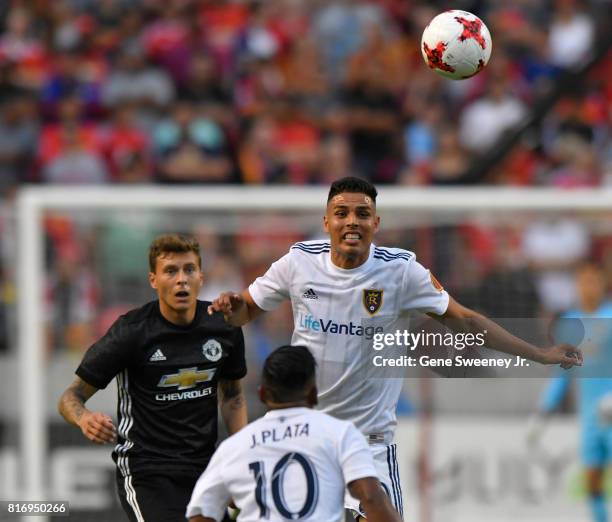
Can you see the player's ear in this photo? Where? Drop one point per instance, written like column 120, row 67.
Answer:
column 325, row 223
column 376, row 223
column 312, row 396
column 261, row 393
column 152, row 280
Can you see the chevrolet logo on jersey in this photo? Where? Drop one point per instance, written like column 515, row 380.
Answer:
column 186, row 378
column 372, row 300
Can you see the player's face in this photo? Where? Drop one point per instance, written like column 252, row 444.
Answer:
column 178, row 280
column 351, row 223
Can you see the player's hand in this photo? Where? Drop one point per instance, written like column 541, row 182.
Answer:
column 228, row 303
column 562, row 354
column 98, row 427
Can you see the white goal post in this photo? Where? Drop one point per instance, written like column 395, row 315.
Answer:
column 33, row 201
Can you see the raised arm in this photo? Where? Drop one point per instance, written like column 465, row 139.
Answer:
column 237, row 309
column 233, row 405
column 374, row 500
column 466, row 320
column 96, row 426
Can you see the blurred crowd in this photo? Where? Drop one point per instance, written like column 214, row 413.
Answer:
column 291, row 91
column 297, row 92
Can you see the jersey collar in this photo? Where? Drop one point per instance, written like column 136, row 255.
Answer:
column 286, row 412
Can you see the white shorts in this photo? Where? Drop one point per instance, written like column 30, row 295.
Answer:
column 385, row 460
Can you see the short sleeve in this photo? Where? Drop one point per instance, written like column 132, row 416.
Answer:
column 422, row 291
column 234, row 367
column 107, row 357
column 210, row 495
column 271, row 289
column 355, row 456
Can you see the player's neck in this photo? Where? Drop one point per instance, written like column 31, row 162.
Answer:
column 348, row 262
column 177, row 317
column 284, row 405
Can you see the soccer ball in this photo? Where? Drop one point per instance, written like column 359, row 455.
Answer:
column 456, row 44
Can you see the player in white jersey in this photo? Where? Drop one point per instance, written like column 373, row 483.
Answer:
column 294, row 463
column 346, row 290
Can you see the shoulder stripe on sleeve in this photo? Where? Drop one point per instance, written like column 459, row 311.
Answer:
column 391, row 258
column 319, row 250
column 314, row 244
column 392, row 255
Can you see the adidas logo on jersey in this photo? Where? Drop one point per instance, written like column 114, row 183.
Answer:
column 310, row 294
column 157, row 356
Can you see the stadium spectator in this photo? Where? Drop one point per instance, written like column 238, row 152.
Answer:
column 127, row 148
column 305, row 81
column 373, row 124
column 69, row 27
column 221, row 24
column 235, row 59
column 190, row 148
column 335, row 158
column 340, row 29
column 21, row 45
column 297, row 142
column 257, row 156
column 19, row 129
column 169, row 39
column 134, row 80
column 204, row 88
column 332, row 453
column 571, row 34
column 443, row 165
column 70, row 151
column 511, row 277
column 170, row 359
column 420, row 134
column 553, row 247
column 76, row 75
column 485, row 120
column 108, row 16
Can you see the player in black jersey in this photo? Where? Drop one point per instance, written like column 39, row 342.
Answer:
column 169, row 357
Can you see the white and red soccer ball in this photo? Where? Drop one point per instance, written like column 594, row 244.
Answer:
column 456, row 44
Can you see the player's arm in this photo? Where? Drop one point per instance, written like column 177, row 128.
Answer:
column 237, row 309
column 464, row 319
column 374, row 500
column 232, row 404
column 96, row 426
column 210, row 495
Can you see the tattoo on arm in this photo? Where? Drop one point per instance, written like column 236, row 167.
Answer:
column 233, row 405
column 231, row 392
column 72, row 401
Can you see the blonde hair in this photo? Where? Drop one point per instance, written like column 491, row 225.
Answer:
column 172, row 243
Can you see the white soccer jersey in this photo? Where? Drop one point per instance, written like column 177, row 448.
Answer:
column 291, row 464
column 337, row 311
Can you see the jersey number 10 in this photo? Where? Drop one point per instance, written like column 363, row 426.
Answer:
column 278, row 476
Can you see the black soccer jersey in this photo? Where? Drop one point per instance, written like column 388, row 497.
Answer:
column 167, row 384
